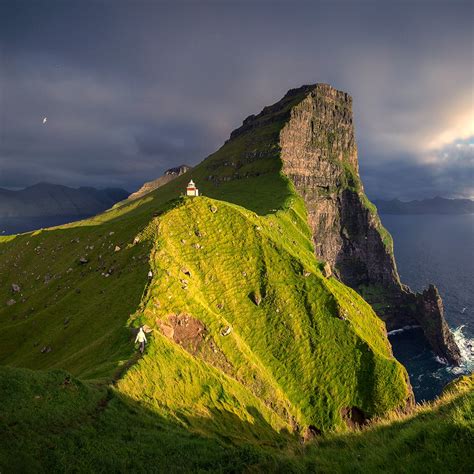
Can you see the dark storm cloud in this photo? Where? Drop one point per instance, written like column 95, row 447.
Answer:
column 132, row 88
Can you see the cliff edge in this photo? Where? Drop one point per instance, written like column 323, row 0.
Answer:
column 319, row 154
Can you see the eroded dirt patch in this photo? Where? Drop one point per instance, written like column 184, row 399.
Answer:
column 311, row 432
column 193, row 336
column 354, row 417
column 185, row 330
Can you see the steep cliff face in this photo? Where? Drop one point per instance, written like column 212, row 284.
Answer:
column 319, row 155
column 430, row 312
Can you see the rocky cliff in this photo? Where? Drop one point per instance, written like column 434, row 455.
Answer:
column 168, row 176
column 319, row 154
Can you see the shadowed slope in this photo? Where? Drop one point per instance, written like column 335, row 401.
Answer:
column 53, row 422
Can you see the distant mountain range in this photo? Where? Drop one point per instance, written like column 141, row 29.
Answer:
column 45, row 199
column 437, row 205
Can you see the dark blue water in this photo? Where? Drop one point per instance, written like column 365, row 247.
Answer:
column 16, row 225
column 440, row 250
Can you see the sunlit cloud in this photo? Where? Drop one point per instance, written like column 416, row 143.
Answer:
column 461, row 128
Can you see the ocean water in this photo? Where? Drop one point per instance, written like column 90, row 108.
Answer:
column 16, row 225
column 435, row 249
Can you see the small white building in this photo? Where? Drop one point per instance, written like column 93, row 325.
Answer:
column 191, row 189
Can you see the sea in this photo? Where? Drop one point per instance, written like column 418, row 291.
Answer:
column 435, row 249
column 17, row 225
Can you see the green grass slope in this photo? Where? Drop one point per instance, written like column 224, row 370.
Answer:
column 67, row 306
column 311, row 349
column 291, row 359
column 292, row 351
column 250, row 344
column 50, row 422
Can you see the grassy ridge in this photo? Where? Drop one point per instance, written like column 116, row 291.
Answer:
column 68, row 306
column 292, row 350
column 83, row 314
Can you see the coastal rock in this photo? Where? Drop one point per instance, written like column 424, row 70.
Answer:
column 319, row 155
column 431, row 317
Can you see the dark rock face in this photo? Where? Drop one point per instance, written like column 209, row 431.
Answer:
column 319, row 155
column 168, row 176
column 354, row 417
column 431, row 315
column 178, row 171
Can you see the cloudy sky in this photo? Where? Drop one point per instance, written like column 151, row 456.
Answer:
column 131, row 88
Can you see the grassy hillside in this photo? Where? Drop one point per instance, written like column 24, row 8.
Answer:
column 250, row 347
column 230, row 269
column 221, row 265
column 54, row 423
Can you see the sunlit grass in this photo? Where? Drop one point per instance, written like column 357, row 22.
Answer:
column 301, row 347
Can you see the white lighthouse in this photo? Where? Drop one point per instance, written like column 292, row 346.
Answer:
column 191, row 189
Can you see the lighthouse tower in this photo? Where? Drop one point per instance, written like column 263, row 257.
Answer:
column 191, row 189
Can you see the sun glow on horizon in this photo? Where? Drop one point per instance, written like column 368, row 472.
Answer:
column 461, row 129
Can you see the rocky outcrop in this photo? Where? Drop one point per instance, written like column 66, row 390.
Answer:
column 168, row 176
column 318, row 151
column 319, row 155
column 431, row 316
